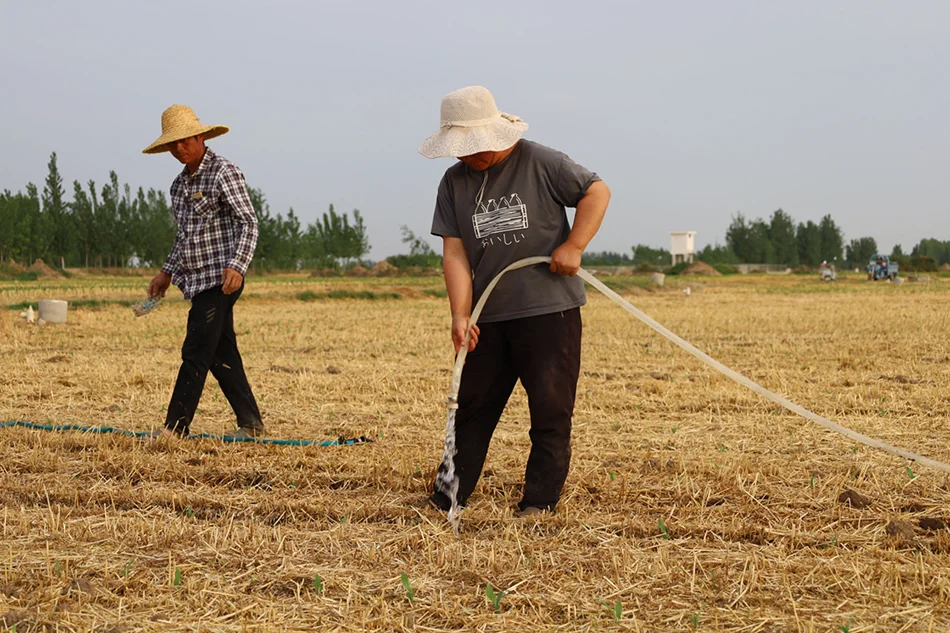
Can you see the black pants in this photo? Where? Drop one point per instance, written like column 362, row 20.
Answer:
column 210, row 344
column 545, row 353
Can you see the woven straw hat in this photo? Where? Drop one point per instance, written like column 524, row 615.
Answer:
column 180, row 122
column 471, row 123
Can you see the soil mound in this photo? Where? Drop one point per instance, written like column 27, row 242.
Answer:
column 358, row 271
column 701, row 268
column 384, row 269
column 44, row 271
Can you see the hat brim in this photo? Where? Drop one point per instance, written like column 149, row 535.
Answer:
column 161, row 143
column 459, row 141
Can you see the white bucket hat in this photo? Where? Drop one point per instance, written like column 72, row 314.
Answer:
column 472, row 123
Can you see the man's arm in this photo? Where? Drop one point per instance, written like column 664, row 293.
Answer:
column 160, row 282
column 566, row 258
column 234, row 190
column 458, row 284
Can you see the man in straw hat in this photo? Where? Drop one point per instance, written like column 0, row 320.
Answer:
column 217, row 234
column 503, row 201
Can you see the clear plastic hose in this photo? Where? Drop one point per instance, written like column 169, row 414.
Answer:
column 447, row 482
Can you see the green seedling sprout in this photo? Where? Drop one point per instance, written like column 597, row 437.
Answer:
column 616, row 610
column 409, row 592
column 494, row 596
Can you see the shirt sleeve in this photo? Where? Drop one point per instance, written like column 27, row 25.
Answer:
column 445, row 222
column 572, row 182
column 233, row 190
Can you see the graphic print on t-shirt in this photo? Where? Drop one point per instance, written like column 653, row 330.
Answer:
column 492, row 218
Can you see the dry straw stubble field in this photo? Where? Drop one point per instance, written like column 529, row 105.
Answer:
column 691, row 504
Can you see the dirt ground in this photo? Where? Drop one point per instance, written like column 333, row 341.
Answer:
column 692, row 504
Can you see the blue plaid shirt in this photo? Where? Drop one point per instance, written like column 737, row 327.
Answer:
column 217, row 227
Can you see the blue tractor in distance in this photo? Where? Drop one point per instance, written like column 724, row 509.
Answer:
column 881, row 267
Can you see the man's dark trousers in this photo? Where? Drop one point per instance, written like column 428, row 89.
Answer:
column 211, row 345
column 545, row 353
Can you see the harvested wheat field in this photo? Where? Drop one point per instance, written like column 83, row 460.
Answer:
column 692, row 503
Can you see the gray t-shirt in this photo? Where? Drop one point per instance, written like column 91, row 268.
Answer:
column 522, row 214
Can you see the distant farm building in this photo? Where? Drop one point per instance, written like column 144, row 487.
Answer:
column 682, row 246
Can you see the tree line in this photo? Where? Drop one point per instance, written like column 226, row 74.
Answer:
column 782, row 241
column 108, row 226
column 100, row 226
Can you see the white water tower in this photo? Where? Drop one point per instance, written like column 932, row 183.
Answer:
column 682, row 246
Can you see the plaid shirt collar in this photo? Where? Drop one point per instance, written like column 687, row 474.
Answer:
column 205, row 161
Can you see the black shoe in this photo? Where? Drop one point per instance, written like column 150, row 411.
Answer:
column 441, row 501
column 423, row 504
column 431, row 503
column 530, row 512
column 243, row 434
column 158, row 434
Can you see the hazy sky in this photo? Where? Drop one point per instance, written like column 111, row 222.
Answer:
column 690, row 111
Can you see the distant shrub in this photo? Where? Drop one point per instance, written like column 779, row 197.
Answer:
column 327, row 272
column 7, row 271
column 403, row 262
column 680, row 267
column 917, row 264
column 606, row 258
column 726, row 269
column 347, row 294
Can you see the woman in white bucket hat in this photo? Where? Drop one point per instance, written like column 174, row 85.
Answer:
column 505, row 200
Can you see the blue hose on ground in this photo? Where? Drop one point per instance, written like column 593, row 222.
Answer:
column 342, row 441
